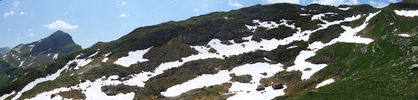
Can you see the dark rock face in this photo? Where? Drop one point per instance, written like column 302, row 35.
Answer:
column 264, row 73
column 171, row 51
column 59, row 41
column 242, row 78
column 277, row 86
column 260, row 88
column 327, row 34
column 307, row 69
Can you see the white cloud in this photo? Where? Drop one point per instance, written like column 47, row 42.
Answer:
column 59, row 24
column 30, row 34
column 378, row 4
column 353, row 1
column 123, row 3
column 283, row 1
column 16, row 4
column 123, row 15
column 21, row 13
column 392, row 1
column 205, row 5
column 336, row 2
column 196, row 10
column 235, row 4
column 7, row 14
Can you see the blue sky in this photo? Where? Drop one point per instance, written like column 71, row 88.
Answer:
column 91, row 21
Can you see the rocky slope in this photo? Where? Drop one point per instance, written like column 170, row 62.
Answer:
column 34, row 54
column 278, row 51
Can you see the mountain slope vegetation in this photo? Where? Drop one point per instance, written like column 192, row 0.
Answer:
column 277, row 51
column 36, row 53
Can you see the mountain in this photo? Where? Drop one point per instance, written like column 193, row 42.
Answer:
column 34, row 54
column 277, row 51
column 4, row 50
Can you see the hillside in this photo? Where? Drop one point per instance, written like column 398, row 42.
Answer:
column 23, row 56
column 277, row 51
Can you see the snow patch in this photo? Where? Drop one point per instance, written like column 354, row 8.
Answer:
column 292, row 47
column 407, row 13
column 92, row 90
column 304, row 14
column 40, row 80
column 404, row 35
column 3, row 97
column 239, row 89
column 81, row 62
column 344, row 8
column 267, row 94
column 318, row 16
column 206, row 79
column 106, row 58
column 55, row 56
column 21, row 63
column 132, row 58
column 326, row 82
column 349, row 35
column 269, row 24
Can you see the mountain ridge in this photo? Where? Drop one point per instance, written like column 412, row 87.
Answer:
column 214, row 34
column 36, row 53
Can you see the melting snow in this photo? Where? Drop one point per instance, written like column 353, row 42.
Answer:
column 222, row 49
column 404, row 35
column 39, row 80
column 308, row 69
column 132, row 58
column 92, row 90
column 407, row 13
column 106, row 58
column 267, row 94
column 326, row 82
column 292, row 47
column 344, row 8
column 314, row 17
column 199, row 82
column 6, row 95
column 56, row 56
column 269, row 24
column 82, row 62
column 21, row 63
column 239, row 89
column 304, row 14
column 265, row 58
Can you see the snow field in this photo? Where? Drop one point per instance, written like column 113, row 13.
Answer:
column 132, row 58
column 308, row 69
column 407, row 13
column 241, row 90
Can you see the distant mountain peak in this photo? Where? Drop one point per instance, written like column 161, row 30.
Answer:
column 57, row 41
column 4, row 50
